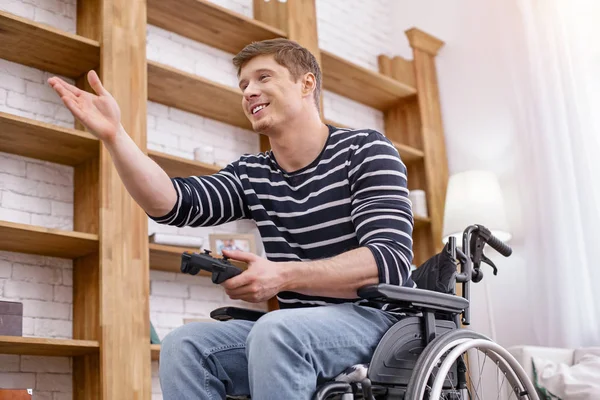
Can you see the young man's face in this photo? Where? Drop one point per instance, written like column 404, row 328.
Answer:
column 270, row 96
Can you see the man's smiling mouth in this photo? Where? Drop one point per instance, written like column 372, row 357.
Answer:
column 259, row 107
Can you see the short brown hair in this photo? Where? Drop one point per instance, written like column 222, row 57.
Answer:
column 297, row 59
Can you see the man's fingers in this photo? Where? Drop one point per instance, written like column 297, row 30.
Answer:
column 237, row 281
column 239, row 292
column 244, row 293
column 95, row 83
column 74, row 107
column 63, row 87
column 240, row 255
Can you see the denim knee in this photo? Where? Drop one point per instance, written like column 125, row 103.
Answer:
column 179, row 343
column 272, row 332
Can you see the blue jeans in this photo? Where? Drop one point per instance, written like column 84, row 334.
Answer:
column 286, row 354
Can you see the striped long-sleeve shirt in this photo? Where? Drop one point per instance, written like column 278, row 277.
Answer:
column 353, row 194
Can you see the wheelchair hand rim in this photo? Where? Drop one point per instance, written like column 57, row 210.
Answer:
column 495, row 348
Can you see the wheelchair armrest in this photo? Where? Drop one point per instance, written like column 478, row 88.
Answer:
column 227, row 313
column 413, row 298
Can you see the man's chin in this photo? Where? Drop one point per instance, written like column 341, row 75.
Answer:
column 262, row 126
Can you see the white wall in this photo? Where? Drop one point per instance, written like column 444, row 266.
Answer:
column 41, row 193
column 474, row 83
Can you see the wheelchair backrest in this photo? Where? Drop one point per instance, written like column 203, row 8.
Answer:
column 437, row 273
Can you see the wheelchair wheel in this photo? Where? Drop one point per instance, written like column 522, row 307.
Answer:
column 432, row 378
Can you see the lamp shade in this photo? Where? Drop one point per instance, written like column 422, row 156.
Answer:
column 474, row 197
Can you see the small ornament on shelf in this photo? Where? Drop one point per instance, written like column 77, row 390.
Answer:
column 419, row 203
column 205, row 154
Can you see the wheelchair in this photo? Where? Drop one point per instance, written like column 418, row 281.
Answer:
column 427, row 354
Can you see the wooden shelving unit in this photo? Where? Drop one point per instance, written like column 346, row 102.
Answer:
column 360, row 84
column 192, row 93
column 407, row 153
column 109, row 247
column 154, row 352
column 32, row 239
column 176, row 166
column 167, row 258
column 47, row 347
column 40, row 46
column 209, row 23
column 421, row 222
column 34, row 139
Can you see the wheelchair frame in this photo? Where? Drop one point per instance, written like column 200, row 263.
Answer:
column 397, row 361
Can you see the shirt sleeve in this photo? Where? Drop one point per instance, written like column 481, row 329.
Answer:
column 207, row 200
column 381, row 211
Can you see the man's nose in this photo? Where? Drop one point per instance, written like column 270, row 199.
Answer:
column 251, row 91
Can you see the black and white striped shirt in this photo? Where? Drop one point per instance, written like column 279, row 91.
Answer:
column 353, row 194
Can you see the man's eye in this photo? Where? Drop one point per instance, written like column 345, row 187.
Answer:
column 263, row 77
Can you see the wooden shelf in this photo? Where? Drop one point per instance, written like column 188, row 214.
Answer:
column 47, row 347
column 155, row 352
column 360, row 84
column 30, row 138
column 31, row 239
column 40, row 46
column 181, row 167
column 421, row 222
column 208, row 23
column 168, row 258
column 195, row 94
column 408, row 153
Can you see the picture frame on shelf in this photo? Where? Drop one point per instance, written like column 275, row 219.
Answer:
column 232, row 241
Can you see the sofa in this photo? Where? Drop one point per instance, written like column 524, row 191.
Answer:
column 561, row 373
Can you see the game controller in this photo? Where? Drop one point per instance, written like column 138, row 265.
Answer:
column 221, row 268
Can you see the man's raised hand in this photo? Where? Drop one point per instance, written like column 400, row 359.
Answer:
column 99, row 113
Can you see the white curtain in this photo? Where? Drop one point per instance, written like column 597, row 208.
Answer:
column 555, row 68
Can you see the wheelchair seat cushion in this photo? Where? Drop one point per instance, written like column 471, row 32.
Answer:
column 355, row 373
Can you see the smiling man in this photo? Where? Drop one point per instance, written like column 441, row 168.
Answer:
column 331, row 207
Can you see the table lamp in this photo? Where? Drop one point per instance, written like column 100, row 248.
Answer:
column 474, row 197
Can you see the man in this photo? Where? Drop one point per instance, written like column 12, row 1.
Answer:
column 332, row 209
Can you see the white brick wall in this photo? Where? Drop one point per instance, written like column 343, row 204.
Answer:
column 50, row 377
column 38, row 193
column 45, row 287
column 41, row 193
column 356, row 30
column 60, row 14
column 24, row 92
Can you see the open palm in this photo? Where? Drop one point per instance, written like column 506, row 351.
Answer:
column 99, row 113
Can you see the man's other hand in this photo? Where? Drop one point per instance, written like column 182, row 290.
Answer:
column 261, row 281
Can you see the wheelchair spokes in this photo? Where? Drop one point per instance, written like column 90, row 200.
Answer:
column 497, row 376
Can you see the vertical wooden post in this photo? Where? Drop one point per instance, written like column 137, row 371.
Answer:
column 425, row 48
column 299, row 19
column 120, row 272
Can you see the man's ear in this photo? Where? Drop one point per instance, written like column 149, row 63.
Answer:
column 309, row 84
